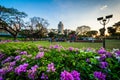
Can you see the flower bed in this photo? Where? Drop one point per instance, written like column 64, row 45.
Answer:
column 59, row 63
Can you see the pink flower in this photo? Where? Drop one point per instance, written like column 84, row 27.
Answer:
column 65, row 75
column 39, row 55
column 51, row 67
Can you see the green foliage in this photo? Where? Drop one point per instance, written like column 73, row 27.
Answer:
column 63, row 59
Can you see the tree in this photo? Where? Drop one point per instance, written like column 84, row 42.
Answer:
column 11, row 20
column 111, row 31
column 51, row 34
column 102, row 31
column 36, row 27
column 82, row 30
column 117, row 27
column 92, row 33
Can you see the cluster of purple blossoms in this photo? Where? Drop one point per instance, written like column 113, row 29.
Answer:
column 88, row 60
column 2, row 72
column 102, row 57
column 1, row 78
column 103, row 65
column 71, row 48
column 21, row 68
column 7, row 69
column 17, row 58
column 51, row 47
column 32, row 72
column 102, row 51
column 40, row 48
column 65, row 75
column 117, row 53
column 23, row 53
column 56, row 46
column 12, row 63
column 74, row 75
column 2, row 56
column 99, row 75
column 108, row 54
column 10, row 67
column 51, row 67
column 39, row 55
column 8, row 59
column 44, row 77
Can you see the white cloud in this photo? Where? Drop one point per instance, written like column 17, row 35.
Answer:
column 104, row 7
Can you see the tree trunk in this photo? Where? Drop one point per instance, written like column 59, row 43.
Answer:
column 15, row 37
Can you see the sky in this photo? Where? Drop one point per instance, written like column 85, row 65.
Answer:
column 72, row 13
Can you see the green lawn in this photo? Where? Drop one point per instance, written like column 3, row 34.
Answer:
column 110, row 44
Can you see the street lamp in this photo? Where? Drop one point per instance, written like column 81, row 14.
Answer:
column 104, row 21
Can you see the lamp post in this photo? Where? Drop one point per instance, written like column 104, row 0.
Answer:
column 104, row 21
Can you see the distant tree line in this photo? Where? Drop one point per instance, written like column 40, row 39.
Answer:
column 11, row 20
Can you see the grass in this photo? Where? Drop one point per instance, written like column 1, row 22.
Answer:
column 110, row 44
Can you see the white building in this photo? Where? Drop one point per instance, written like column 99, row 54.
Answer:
column 60, row 27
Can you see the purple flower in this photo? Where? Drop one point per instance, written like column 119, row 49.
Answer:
column 102, row 57
column 12, row 63
column 56, row 46
column 40, row 48
column 8, row 59
column 108, row 54
column 1, row 78
column 21, row 68
column 118, row 53
column 102, row 51
column 23, row 53
column 32, row 72
column 51, row 68
column 87, row 60
column 66, row 76
column 71, row 48
column 51, row 47
column 9, row 69
column 44, row 77
column 99, row 75
column 2, row 72
column 103, row 64
column 75, row 75
column 17, row 58
column 5, row 70
column 2, row 56
column 39, row 55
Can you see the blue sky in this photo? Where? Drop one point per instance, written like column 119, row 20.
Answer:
column 72, row 13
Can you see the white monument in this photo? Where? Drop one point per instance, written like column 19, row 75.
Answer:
column 60, row 27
